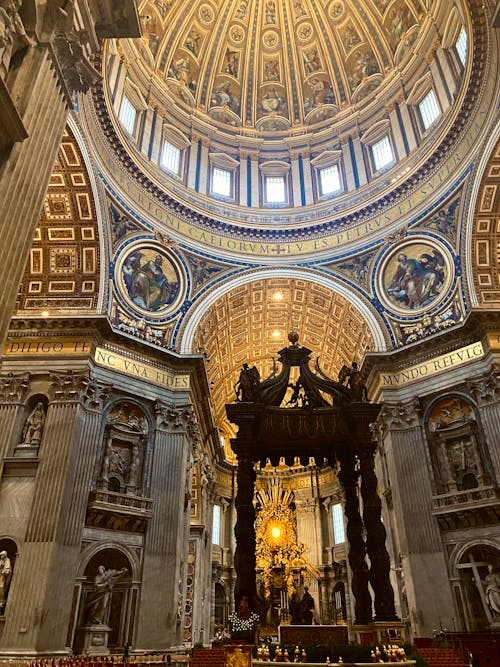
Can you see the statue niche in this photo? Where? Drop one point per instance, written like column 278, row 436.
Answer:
column 456, row 455
column 125, row 437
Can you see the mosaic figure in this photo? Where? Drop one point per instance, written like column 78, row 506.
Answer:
column 193, row 41
column 231, row 62
column 271, row 69
column 147, row 284
column 417, row 280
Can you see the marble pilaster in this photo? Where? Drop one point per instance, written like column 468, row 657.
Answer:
column 165, row 543
column 417, row 533
column 486, row 392
column 41, row 104
column 13, row 387
column 36, row 584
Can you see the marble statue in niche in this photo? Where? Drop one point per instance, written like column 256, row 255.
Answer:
column 456, row 454
column 5, row 578
column 122, row 469
column 98, row 600
column 492, row 591
column 33, row 427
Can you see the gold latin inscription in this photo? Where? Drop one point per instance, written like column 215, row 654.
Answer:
column 428, row 368
column 137, row 369
column 48, row 346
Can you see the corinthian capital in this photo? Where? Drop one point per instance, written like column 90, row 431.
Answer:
column 13, row 386
column 68, row 386
column 177, row 419
column 400, row 416
column 96, row 395
column 485, row 388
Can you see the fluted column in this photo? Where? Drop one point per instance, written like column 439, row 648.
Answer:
column 165, row 546
column 25, row 175
column 348, row 477
column 36, row 593
column 13, row 387
column 486, row 391
column 417, row 533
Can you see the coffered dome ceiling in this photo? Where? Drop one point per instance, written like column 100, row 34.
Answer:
column 259, row 87
column 261, row 66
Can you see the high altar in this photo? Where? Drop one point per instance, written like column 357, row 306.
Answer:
column 329, row 422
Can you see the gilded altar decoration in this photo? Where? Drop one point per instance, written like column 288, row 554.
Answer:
column 150, row 280
column 279, row 553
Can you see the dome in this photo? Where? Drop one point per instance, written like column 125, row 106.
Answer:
column 292, row 113
column 263, row 68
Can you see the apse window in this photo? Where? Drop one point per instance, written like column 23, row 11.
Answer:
column 222, row 182
column 216, row 514
column 461, row 46
column 382, row 153
column 338, row 524
column 329, row 180
column 127, row 115
column 275, row 190
column 429, row 109
column 170, row 159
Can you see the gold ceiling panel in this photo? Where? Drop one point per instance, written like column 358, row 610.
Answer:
column 486, row 235
column 251, row 323
column 63, row 268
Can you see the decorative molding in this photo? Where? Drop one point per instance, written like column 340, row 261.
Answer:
column 13, row 387
column 67, row 386
column 401, row 416
column 486, row 388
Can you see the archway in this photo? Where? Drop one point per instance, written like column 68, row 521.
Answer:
column 106, row 612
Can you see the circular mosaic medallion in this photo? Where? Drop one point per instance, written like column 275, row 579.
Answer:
column 414, row 276
column 150, row 280
column 236, row 34
column 270, row 39
column 336, row 10
column 206, row 14
column 304, row 32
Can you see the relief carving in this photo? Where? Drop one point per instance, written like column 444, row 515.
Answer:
column 13, row 35
column 123, row 463
column 455, row 446
column 400, row 416
column 13, row 387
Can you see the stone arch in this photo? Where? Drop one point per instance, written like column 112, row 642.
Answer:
column 471, row 565
column 186, row 335
column 117, row 611
column 10, row 547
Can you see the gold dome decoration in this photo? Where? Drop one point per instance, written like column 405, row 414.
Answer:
column 275, row 66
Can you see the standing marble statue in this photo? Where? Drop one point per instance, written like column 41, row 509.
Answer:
column 492, row 591
column 33, row 428
column 98, row 600
column 13, row 36
column 5, row 576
